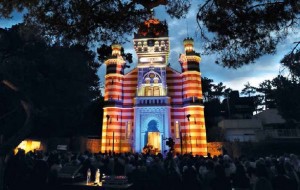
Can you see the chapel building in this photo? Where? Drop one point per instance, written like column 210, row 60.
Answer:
column 154, row 102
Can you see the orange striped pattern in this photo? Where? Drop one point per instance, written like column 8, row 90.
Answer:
column 129, row 87
column 118, row 61
column 115, row 130
column 174, row 81
column 193, row 131
column 113, row 87
column 118, row 130
column 192, row 84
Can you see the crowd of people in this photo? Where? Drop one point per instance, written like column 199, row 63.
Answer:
column 38, row 170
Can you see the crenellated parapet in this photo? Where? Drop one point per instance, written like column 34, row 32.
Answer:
column 190, row 60
column 115, row 62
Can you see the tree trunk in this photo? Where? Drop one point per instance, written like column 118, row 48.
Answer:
column 8, row 145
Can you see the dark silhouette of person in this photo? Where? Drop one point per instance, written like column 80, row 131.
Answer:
column 281, row 181
column 220, row 182
column 39, row 172
column 240, row 179
column 263, row 182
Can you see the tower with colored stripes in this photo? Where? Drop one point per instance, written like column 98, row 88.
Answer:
column 153, row 102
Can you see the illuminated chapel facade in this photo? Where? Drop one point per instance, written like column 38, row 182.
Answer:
column 153, row 102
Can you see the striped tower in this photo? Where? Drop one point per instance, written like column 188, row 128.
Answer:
column 192, row 113
column 112, row 111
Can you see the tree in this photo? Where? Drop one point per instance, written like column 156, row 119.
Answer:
column 212, row 91
column 243, row 30
column 248, row 89
column 87, row 22
column 281, row 93
column 286, row 97
column 268, row 91
column 289, row 107
column 60, row 81
column 207, row 85
column 16, row 104
column 292, row 61
column 93, row 117
column 212, row 94
column 218, row 90
column 251, row 91
column 246, row 30
column 105, row 51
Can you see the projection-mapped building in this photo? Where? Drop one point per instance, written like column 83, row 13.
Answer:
column 154, row 102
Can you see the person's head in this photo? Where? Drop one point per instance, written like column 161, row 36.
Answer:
column 169, row 156
column 210, row 165
column 20, row 153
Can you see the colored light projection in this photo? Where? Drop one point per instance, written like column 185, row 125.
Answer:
column 153, row 102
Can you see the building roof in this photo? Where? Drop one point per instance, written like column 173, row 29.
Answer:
column 270, row 116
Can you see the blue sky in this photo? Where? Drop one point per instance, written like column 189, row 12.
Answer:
column 267, row 67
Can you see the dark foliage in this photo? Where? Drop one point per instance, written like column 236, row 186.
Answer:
column 60, row 81
column 292, row 61
column 212, row 94
column 245, row 30
column 105, row 51
column 212, row 91
column 12, row 115
column 85, row 22
column 281, row 93
column 286, row 93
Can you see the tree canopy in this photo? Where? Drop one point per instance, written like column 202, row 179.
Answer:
column 86, row 22
column 284, row 95
column 244, row 30
column 61, row 82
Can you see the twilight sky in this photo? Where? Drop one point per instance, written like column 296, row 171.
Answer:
column 267, row 67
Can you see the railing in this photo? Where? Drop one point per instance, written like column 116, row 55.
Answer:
column 192, row 101
column 282, row 133
column 112, row 102
column 152, row 100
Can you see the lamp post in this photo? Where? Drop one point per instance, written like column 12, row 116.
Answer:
column 107, row 119
column 113, row 148
column 180, row 136
column 188, row 118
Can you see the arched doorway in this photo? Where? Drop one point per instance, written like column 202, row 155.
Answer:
column 153, row 138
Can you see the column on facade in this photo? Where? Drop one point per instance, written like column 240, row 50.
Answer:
column 194, row 125
column 113, row 127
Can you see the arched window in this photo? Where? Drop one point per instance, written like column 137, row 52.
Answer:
column 152, row 84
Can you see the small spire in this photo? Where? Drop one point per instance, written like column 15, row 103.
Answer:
column 152, row 13
column 187, row 28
